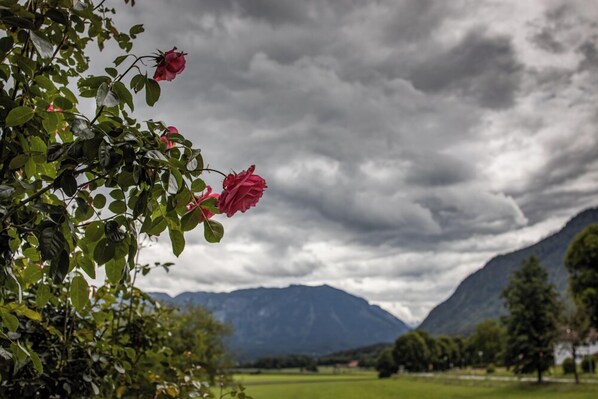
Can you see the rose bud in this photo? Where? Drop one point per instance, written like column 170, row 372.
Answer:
column 205, row 213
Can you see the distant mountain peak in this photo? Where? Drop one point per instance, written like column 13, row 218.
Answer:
column 298, row 319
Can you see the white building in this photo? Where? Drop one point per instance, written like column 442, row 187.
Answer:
column 563, row 350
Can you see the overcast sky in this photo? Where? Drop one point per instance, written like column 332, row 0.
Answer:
column 404, row 143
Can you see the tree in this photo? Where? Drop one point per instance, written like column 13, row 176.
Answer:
column 385, row 365
column 582, row 262
column 411, row 352
column 532, row 322
column 78, row 192
column 487, row 343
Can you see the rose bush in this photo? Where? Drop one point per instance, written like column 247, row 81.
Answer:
column 241, row 192
column 78, row 193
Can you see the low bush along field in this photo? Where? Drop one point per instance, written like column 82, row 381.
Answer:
column 360, row 386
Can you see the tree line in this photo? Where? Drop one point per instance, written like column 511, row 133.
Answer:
column 524, row 339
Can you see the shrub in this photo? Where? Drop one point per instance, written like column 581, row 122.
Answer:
column 586, row 362
column 569, row 366
column 490, row 369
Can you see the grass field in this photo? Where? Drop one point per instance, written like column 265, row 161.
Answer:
column 365, row 385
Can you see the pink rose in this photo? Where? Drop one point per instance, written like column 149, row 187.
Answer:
column 164, row 138
column 169, row 65
column 51, row 108
column 241, row 192
column 205, row 213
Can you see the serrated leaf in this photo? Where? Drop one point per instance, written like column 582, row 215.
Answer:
column 212, row 231
column 79, row 293
column 19, row 116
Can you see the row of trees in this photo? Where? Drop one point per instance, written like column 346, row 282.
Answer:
column 525, row 339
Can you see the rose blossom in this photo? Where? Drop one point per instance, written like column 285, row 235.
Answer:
column 164, row 139
column 51, row 108
column 241, row 191
column 205, row 213
column 169, row 65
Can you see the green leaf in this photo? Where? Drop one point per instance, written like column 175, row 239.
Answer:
column 136, row 29
column 152, row 92
column 6, row 191
column 156, row 155
column 106, row 97
column 86, row 264
column 178, row 241
column 104, row 251
column 68, row 183
column 79, row 293
column 212, row 231
column 94, row 231
column 158, row 226
column 51, row 243
column 115, row 270
column 140, row 204
column 122, row 92
column 118, row 207
column 19, row 116
column 99, row 201
column 190, row 220
column 198, row 185
column 18, row 162
column 42, row 295
column 37, row 363
column 63, row 103
column 11, row 321
column 137, row 83
column 42, row 45
column 32, row 274
column 119, row 60
column 59, row 267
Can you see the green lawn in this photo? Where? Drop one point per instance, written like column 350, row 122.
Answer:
column 360, row 386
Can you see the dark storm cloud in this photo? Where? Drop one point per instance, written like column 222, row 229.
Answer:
column 398, row 138
column 481, row 68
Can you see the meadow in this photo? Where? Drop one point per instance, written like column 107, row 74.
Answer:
column 360, row 385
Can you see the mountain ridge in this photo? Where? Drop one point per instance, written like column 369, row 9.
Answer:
column 477, row 297
column 298, row 319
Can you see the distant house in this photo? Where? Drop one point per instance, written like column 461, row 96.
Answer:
column 562, row 351
column 353, row 364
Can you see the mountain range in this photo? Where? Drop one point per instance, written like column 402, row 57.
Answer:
column 297, row 319
column 477, row 298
